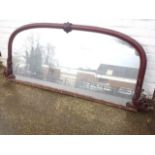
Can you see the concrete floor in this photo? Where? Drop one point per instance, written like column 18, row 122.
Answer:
column 27, row 110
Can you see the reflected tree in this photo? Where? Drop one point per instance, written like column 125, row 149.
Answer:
column 50, row 54
column 50, row 59
column 38, row 57
column 33, row 58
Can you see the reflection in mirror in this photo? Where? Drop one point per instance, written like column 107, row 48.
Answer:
column 90, row 64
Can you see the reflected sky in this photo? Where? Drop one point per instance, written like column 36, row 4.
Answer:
column 78, row 49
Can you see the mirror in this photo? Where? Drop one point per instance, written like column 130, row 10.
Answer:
column 90, row 64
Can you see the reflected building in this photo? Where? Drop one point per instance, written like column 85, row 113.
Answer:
column 110, row 79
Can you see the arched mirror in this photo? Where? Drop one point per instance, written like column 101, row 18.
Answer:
column 93, row 65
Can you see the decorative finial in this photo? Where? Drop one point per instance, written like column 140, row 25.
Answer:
column 67, row 27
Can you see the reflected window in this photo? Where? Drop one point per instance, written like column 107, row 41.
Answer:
column 109, row 72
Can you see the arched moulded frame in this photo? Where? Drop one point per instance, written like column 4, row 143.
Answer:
column 67, row 27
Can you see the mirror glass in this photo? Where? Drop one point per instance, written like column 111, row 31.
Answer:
column 87, row 63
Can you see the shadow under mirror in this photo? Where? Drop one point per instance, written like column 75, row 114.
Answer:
column 90, row 64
